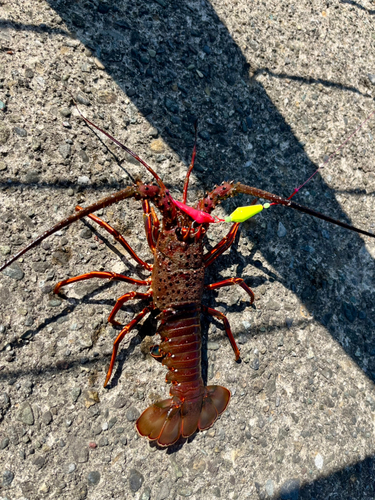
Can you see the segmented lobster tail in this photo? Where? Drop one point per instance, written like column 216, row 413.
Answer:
column 192, row 405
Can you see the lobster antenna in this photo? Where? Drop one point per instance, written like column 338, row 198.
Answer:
column 331, row 155
column 186, row 185
column 319, row 215
column 277, row 200
column 122, row 146
column 128, row 192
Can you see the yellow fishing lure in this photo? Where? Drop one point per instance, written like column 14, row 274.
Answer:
column 243, row 213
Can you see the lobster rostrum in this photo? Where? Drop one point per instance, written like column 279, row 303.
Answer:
column 175, row 292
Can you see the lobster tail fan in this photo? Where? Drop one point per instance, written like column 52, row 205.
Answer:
column 190, row 413
column 215, row 401
column 161, row 421
column 166, row 421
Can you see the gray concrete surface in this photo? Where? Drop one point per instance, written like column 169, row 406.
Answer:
column 276, row 87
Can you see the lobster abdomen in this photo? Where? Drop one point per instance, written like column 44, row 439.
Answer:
column 193, row 405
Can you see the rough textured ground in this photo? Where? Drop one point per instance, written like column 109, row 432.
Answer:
column 276, row 87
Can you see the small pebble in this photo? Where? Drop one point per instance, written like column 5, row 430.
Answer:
column 213, row 346
column 81, row 99
column 4, row 443
column 83, row 180
column 171, row 105
column 54, row 303
column 5, row 250
column 103, row 441
column 93, row 477
column 47, row 417
column 185, row 492
column 146, row 495
column 26, row 414
column 8, row 477
column 71, row 468
column 164, row 491
column 246, row 324
column 98, row 63
column 14, row 272
column 132, row 414
column 270, row 487
column 85, row 233
column 281, row 230
column 66, row 112
column 308, row 248
column 44, row 488
column 80, row 451
column 4, row 134
column 112, row 422
column 75, row 393
column 20, row 131
column 39, row 462
column 254, row 363
column 319, row 461
column 65, row 150
column 203, row 134
column 135, row 480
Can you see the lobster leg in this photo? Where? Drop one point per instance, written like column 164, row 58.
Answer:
column 121, row 335
column 103, row 275
column 118, row 237
column 220, row 315
column 223, row 245
column 232, row 281
column 155, row 224
column 151, row 224
column 122, row 300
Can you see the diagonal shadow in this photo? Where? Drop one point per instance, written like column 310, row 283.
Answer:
column 359, row 6
column 309, row 81
column 349, row 483
column 37, row 28
column 177, row 63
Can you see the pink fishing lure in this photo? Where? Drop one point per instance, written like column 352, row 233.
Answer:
column 197, row 215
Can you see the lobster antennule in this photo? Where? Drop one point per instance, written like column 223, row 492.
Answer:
column 122, row 146
column 168, row 420
column 191, row 166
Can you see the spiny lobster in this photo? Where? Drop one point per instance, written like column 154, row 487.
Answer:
column 175, row 292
